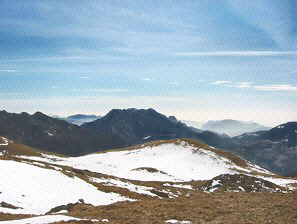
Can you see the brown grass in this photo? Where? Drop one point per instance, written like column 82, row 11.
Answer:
column 18, row 149
column 200, row 208
column 6, row 216
column 15, row 149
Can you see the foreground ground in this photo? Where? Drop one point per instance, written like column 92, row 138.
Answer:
column 218, row 207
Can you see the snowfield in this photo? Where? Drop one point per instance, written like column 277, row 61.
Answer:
column 37, row 190
column 171, row 162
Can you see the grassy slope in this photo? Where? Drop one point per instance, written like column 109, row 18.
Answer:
column 200, row 208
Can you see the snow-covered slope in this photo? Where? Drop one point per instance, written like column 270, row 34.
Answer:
column 168, row 161
column 36, row 190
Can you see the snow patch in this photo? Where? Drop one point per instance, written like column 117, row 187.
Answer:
column 118, row 183
column 179, row 222
column 5, row 141
column 61, row 212
column 179, row 186
column 215, row 185
column 25, row 186
column 50, row 134
column 42, row 219
column 281, row 182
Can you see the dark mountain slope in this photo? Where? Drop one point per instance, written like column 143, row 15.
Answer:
column 138, row 126
column 285, row 132
column 46, row 133
column 135, row 126
column 216, row 140
column 275, row 149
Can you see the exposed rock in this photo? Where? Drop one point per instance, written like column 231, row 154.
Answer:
column 240, row 183
column 4, row 204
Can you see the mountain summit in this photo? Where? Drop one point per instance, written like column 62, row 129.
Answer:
column 136, row 126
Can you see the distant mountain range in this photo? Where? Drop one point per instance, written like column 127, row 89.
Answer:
column 232, row 127
column 273, row 149
column 117, row 129
column 50, row 134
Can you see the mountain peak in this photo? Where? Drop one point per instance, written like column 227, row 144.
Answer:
column 130, row 111
column 172, row 118
column 136, row 126
column 39, row 114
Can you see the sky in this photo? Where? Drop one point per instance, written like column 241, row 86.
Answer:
column 197, row 60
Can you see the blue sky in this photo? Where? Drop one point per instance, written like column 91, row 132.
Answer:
column 198, row 60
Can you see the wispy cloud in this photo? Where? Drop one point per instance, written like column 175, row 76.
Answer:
column 84, row 77
column 54, row 87
column 8, row 94
column 221, row 82
column 247, row 85
column 148, row 79
column 241, row 85
column 237, row 53
column 276, row 88
column 57, row 58
column 8, row 70
column 109, row 90
column 274, row 18
column 98, row 57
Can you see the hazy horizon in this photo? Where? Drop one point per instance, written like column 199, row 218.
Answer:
column 197, row 61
